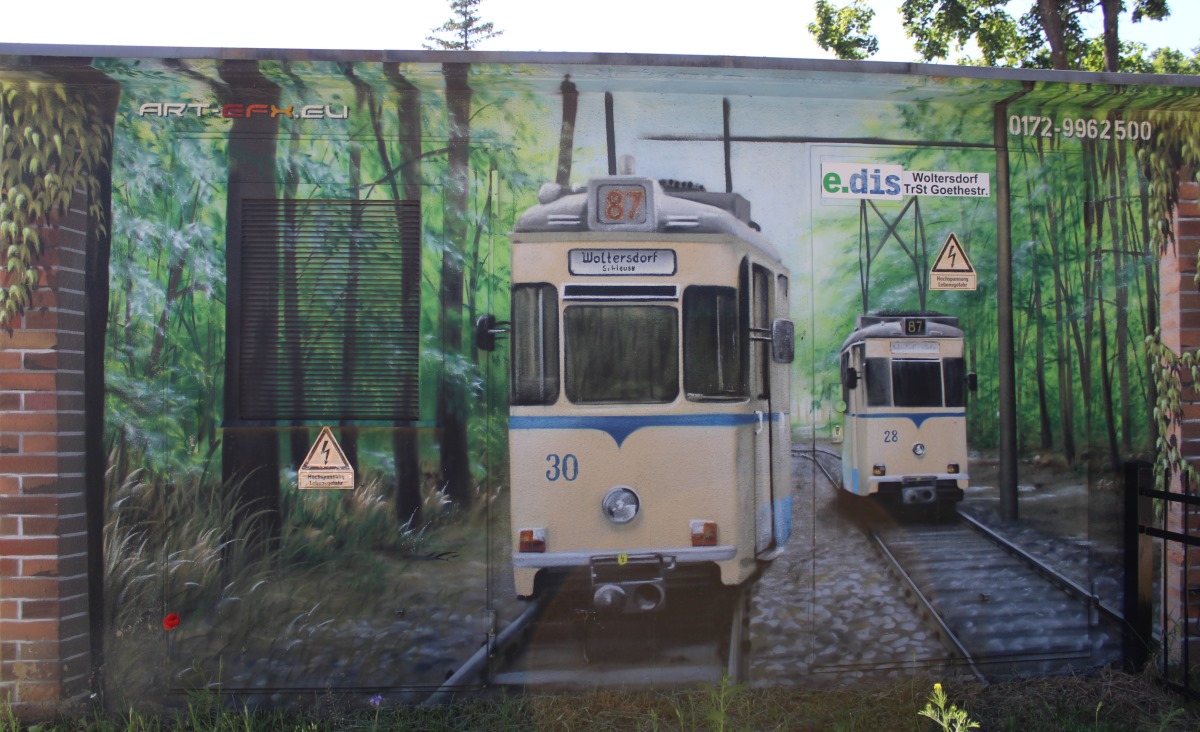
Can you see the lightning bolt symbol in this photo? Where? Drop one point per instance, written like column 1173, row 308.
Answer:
column 952, row 254
column 325, row 451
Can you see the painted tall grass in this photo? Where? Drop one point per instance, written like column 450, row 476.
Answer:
column 305, row 615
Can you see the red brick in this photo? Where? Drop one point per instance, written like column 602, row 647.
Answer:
column 24, row 547
column 41, row 319
column 72, row 341
column 31, row 630
column 44, row 360
column 34, row 444
column 74, row 626
column 68, row 380
column 1186, row 241
column 9, row 401
column 39, row 650
column 10, row 567
column 73, row 442
column 22, row 671
column 8, row 652
column 33, row 588
column 9, row 442
column 34, row 693
column 73, row 544
column 39, row 526
column 39, row 484
column 28, row 339
column 25, row 505
column 28, row 381
column 44, row 298
column 10, row 360
column 9, row 525
column 35, row 609
column 9, row 609
column 29, row 464
column 42, row 401
column 41, row 567
column 29, row 422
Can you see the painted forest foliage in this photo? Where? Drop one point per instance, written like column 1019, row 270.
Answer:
column 178, row 510
column 1085, row 269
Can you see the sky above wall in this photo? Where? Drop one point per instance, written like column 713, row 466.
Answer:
column 708, row 27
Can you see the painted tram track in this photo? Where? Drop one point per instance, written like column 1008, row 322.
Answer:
column 1001, row 610
column 997, row 608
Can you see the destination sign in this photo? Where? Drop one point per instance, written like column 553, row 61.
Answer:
column 621, row 261
column 914, row 347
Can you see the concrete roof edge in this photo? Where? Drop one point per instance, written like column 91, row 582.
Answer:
column 899, row 68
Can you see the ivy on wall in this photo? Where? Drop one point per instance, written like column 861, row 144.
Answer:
column 1169, row 370
column 1167, row 159
column 51, row 143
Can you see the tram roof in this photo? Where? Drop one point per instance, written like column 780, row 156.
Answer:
column 892, row 326
column 678, row 209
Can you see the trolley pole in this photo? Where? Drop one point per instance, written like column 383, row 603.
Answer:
column 1006, row 378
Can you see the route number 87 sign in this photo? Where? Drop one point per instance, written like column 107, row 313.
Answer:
column 621, row 204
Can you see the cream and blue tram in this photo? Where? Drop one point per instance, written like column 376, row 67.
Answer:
column 904, row 385
column 649, row 433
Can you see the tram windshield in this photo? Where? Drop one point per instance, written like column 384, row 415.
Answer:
column 621, row 353
column 628, row 352
column 916, row 382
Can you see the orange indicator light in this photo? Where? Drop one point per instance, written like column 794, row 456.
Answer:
column 532, row 540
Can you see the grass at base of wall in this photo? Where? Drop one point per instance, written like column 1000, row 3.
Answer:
column 1106, row 701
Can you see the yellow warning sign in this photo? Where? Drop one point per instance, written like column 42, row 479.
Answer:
column 326, row 465
column 952, row 270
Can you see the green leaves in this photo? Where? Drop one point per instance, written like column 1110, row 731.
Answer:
column 50, row 146
column 1170, row 370
column 464, row 29
column 845, row 30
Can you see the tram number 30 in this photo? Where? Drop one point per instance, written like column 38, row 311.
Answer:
column 891, row 436
column 564, row 467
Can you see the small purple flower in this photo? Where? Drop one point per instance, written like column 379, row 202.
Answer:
column 375, row 700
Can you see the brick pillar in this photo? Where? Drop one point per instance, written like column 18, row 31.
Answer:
column 1180, row 319
column 45, row 656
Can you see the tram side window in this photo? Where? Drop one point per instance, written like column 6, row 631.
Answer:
column 954, row 372
column 712, row 360
column 621, row 353
column 879, row 382
column 917, row 383
column 534, row 344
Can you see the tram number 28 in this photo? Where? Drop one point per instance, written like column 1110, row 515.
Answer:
column 891, row 436
column 562, row 467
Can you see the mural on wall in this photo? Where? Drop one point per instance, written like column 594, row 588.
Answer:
column 632, row 382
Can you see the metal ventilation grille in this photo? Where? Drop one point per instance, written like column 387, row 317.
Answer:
column 330, row 310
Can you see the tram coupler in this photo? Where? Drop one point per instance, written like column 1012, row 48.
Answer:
column 918, row 491
column 630, row 583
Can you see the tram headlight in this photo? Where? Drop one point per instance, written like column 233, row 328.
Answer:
column 919, row 449
column 620, row 505
column 879, row 469
column 952, row 468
